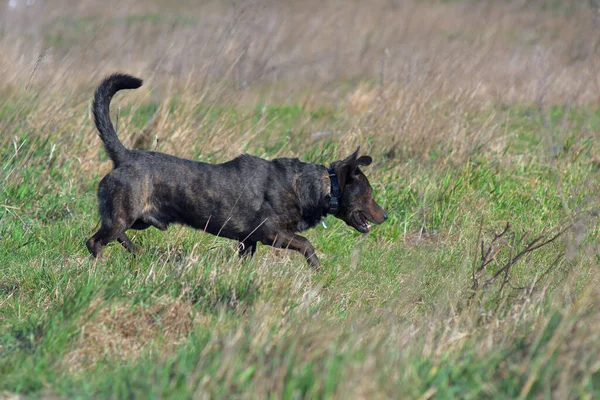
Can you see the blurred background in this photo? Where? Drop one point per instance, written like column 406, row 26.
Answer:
column 495, row 51
column 390, row 66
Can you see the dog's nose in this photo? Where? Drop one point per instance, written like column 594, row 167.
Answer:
column 384, row 216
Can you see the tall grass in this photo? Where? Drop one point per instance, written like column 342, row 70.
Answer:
column 477, row 114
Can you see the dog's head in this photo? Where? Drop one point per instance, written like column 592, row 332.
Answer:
column 356, row 204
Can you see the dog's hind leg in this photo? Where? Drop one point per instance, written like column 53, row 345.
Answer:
column 296, row 242
column 247, row 249
column 105, row 235
column 117, row 206
column 124, row 240
column 114, row 225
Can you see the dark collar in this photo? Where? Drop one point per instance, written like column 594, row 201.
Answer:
column 335, row 194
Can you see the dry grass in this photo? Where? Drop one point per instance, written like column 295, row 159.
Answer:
column 484, row 50
column 424, row 69
column 116, row 333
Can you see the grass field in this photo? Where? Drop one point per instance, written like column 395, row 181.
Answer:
column 482, row 119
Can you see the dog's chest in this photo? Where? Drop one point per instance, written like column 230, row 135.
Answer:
column 308, row 221
column 303, row 225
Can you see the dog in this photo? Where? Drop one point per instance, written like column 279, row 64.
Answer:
column 248, row 199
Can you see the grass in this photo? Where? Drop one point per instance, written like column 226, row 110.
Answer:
column 464, row 138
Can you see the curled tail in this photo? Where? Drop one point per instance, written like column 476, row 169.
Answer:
column 101, row 109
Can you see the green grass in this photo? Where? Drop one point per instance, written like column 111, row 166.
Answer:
column 445, row 96
column 392, row 312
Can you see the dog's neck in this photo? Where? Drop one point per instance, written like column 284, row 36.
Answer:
column 335, row 193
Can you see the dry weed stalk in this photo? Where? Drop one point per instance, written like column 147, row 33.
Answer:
column 483, row 277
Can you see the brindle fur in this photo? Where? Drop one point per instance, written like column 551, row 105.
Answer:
column 247, row 199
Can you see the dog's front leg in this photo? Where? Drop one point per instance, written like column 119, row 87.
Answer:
column 300, row 244
column 247, row 249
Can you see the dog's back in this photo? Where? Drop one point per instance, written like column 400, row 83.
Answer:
column 237, row 199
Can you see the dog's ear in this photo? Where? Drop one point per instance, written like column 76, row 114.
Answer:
column 351, row 158
column 352, row 162
column 364, row 160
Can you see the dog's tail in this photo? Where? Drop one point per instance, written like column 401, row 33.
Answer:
column 101, row 109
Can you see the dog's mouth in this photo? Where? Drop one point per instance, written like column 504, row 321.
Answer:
column 361, row 222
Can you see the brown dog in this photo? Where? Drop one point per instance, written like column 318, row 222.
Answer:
column 247, row 199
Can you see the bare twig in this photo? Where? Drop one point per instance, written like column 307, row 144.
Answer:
column 489, row 253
